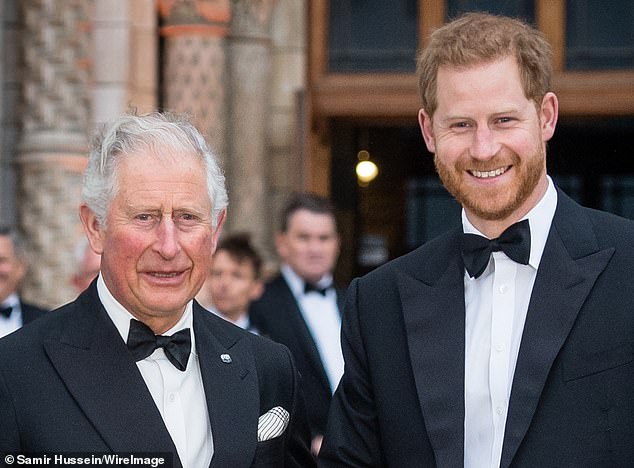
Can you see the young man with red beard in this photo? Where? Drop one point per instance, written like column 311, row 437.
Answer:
column 508, row 341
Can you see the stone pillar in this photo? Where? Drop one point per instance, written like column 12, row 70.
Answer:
column 249, row 72
column 286, row 114
column 53, row 146
column 10, row 82
column 194, row 58
column 125, row 60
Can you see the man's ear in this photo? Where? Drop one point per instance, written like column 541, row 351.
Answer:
column 549, row 114
column 424, row 121
column 280, row 245
column 92, row 228
column 222, row 216
column 21, row 268
column 256, row 290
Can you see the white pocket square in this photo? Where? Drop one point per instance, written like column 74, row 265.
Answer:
column 272, row 424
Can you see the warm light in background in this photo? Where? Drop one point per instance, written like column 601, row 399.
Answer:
column 366, row 170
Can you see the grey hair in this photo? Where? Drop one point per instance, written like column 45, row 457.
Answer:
column 131, row 134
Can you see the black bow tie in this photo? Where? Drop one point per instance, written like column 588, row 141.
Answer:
column 142, row 342
column 310, row 287
column 515, row 242
column 6, row 311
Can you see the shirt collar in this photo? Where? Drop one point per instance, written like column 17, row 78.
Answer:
column 540, row 218
column 297, row 283
column 121, row 317
column 12, row 300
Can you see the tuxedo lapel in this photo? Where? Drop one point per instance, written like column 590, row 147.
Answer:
column 432, row 295
column 100, row 374
column 228, row 371
column 570, row 265
column 296, row 322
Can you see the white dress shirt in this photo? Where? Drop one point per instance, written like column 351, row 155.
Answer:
column 14, row 321
column 179, row 396
column 321, row 314
column 496, row 307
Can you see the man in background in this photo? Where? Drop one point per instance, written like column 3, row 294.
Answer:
column 234, row 281
column 301, row 308
column 14, row 313
column 87, row 263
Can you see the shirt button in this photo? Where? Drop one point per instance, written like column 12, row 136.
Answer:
column 499, row 348
column 172, row 397
column 499, row 410
column 503, row 289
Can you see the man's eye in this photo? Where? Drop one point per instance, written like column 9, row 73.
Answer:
column 143, row 217
column 460, row 125
column 187, row 217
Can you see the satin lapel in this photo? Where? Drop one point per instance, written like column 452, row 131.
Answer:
column 96, row 367
column 434, row 313
column 570, row 265
column 229, row 376
column 296, row 322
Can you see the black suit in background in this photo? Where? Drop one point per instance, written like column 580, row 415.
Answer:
column 30, row 312
column 277, row 315
column 69, row 384
column 401, row 400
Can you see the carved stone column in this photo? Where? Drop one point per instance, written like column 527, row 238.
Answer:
column 53, row 146
column 249, row 72
column 195, row 64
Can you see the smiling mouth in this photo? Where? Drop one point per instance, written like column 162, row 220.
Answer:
column 158, row 274
column 488, row 174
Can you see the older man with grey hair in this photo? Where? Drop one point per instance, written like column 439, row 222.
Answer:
column 135, row 365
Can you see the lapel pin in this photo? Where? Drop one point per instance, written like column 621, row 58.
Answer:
column 225, row 358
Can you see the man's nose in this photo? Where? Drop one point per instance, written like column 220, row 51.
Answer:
column 167, row 243
column 484, row 144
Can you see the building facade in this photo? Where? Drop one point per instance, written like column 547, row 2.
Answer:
column 290, row 93
column 236, row 66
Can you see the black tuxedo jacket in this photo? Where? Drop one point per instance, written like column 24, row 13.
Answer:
column 401, row 400
column 30, row 312
column 69, row 384
column 277, row 315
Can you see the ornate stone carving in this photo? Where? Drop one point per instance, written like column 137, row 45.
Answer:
column 52, row 150
column 195, row 63
column 56, row 55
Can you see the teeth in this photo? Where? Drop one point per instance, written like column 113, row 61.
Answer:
column 487, row 174
column 165, row 275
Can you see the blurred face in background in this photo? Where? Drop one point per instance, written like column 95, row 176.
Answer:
column 12, row 268
column 310, row 245
column 88, row 270
column 232, row 284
